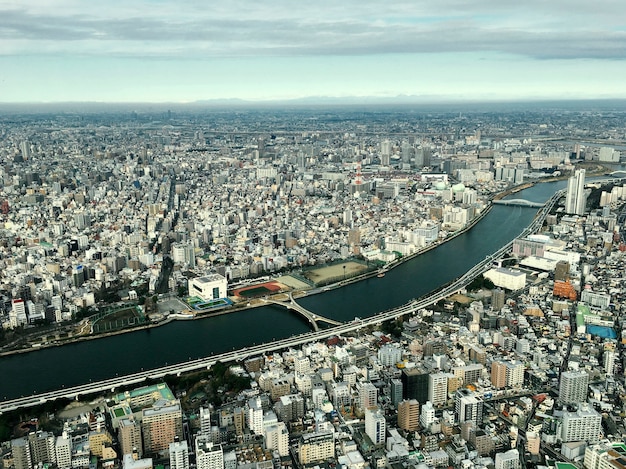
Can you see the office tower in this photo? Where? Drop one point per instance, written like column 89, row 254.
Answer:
column 179, row 455
column 396, row 391
column 408, row 415
column 573, row 387
column 25, row 149
column 415, row 384
column 161, row 425
column 129, row 436
column 375, row 425
column 468, row 407
column 277, row 438
column 208, row 455
column 21, row 453
column 583, row 425
column 438, row 388
column 508, row 460
column 576, row 199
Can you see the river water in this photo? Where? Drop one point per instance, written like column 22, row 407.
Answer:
column 176, row 342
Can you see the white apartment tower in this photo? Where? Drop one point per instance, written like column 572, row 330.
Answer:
column 208, row 455
column 375, row 425
column 179, row 455
column 576, row 199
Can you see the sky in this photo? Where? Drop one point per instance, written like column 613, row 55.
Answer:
column 187, row 50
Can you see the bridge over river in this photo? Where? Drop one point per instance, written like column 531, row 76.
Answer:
column 518, row 202
column 310, row 316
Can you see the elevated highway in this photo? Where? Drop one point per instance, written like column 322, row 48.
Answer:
column 111, row 384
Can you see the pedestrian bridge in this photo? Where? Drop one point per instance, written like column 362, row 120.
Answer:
column 309, row 315
column 518, row 202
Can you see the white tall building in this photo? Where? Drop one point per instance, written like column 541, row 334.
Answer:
column 508, row 460
column 375, row 425
column 583, row 425
column 209, row 287
column 468, row 407
column 277, row 438
column 368, row 395
column 438, row 388
column 63, row 450
column 208, row 455
column 255, row 415
column 576, row 198
column 427, row 416
column 179, row 455
column 205, row 421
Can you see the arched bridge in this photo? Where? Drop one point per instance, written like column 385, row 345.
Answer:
column 519, row 202
column 310, row 316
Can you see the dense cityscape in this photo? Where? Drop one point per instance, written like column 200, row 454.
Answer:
column 125, row 219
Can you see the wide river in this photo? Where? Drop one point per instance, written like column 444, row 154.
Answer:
column 178, row 341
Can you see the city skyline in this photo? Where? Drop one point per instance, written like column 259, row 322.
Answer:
column 161, row 51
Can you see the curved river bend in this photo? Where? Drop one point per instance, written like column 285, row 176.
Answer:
column 73, row 364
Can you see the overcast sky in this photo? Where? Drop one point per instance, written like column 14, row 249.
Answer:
column 187, row 50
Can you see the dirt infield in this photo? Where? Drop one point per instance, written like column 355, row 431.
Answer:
column 335, row 272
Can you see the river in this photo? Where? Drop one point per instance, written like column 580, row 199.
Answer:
column 93, row 360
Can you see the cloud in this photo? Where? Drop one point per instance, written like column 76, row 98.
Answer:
column 193, row 29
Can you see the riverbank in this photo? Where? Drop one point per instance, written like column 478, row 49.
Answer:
column 242, row 306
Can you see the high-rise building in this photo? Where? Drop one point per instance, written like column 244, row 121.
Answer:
column 415, row 384
column 498, row 374
column 497, row 299
column 583, row 425
column 368, row 395
column 42, row 447
column 255, row 415
column 508, row 460
column 179, row 455
column 576, row 199
column 63, row 450
column 468, row 406
column 161, row 424
column 129, row 436
column 438, row 388
column 21, row 453
column 208, row 455
column 315, row 447
column 427, row 416
column 573, row 387
column 408, row 415
column 375, row 425
column 396, row 391
column 277, row 438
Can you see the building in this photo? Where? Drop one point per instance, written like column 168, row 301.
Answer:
column 507, row 374
column 508, row 460
column 255, row 415
column 129, row 436
column 277, row 438
column 468, row 407
column 605, row 455
column 438, row 388
column 415, row 384
column 161, row 425
column 21, row 453
column 179, row 455
column 396, row 391
column 209, row 287
column 507, row 278
column 208, row 455
column 427, row 416
column 573, row 387
column 408, row 415
column 576, row 198
column 315, row 447
column 583, row 425
column 368, row 395
column 63, row 450
column 375, row 425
